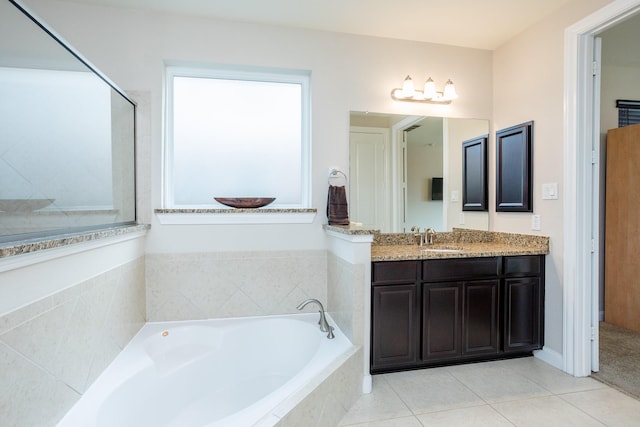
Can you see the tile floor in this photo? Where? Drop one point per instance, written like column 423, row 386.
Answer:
column 516, row 392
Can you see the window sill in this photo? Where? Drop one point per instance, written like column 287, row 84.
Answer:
column 235, row 216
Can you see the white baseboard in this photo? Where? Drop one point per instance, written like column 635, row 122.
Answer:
column 549, row 356
column 367, row 384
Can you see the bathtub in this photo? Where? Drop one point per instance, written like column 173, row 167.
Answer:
column 222, row 372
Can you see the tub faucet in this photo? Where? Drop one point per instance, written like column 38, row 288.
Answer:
column 324, row 325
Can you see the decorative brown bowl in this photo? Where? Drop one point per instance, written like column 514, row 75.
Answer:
column 245, row 202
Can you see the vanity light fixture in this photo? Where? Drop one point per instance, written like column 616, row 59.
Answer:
column 429, row 94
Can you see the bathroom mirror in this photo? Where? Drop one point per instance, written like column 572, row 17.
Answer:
column 406, row 171
column 66, row 136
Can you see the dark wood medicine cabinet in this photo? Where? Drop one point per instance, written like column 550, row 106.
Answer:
column 514, row 169
column 474, row 174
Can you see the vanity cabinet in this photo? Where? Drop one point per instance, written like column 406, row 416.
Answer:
column 397, row 320
column 443, row 311
column 523, row 314
column 459, row 311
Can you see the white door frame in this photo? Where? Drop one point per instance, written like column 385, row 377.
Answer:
column 579, row 209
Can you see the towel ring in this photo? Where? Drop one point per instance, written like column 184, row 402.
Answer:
column 333, row 173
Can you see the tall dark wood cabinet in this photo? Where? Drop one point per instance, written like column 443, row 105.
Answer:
column 435, row 312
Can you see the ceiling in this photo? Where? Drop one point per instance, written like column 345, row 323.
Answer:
column 485, row 24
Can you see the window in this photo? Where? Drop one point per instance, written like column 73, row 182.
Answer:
column 236, row 133
column 628, row 112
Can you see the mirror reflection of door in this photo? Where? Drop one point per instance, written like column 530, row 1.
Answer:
column 369, row 177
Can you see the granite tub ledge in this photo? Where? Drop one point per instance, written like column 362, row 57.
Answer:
column 351, row 230
column 457, row 244
column 21, row 247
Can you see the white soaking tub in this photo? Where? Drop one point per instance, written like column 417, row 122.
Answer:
column 222, row 372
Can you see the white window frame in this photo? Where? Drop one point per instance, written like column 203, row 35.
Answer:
column 238, row 73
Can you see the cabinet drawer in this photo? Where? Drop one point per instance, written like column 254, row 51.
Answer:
column 459, row 269
column 395, row 271
column 521, row 265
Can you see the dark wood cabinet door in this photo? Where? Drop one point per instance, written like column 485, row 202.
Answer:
column 480, row 317
column 395, row 326
column 522, row 314
column 474, row 174
column 441, row 321
column 514, row 169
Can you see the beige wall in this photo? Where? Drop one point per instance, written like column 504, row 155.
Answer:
column 529, row 85
column 348, row 73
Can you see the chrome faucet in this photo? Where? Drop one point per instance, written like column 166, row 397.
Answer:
column 324, row 325
column 429, row 234
column 416, row 232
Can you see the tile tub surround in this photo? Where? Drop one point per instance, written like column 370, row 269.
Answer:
column 233, row 284
column 326, row 400
column 403, row 246
column 345, row 296
column 53, row 349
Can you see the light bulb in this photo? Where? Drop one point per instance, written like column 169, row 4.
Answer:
column 449, row 91
column 408, row 88
column 429, row 89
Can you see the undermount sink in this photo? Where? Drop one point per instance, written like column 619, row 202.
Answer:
column 451, row 249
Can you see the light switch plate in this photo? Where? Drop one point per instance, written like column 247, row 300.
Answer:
column 454, row 195
column 550, row 191
column 535, row 222
column 461, row 218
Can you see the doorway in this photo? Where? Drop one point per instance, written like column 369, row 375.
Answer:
column 581, row 311
column 619, row 301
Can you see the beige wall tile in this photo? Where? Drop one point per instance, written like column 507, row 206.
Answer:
column 53, row 349
column 214, row 285
column 29, row 396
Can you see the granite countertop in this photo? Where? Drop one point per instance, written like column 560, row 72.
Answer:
column 457, row 244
